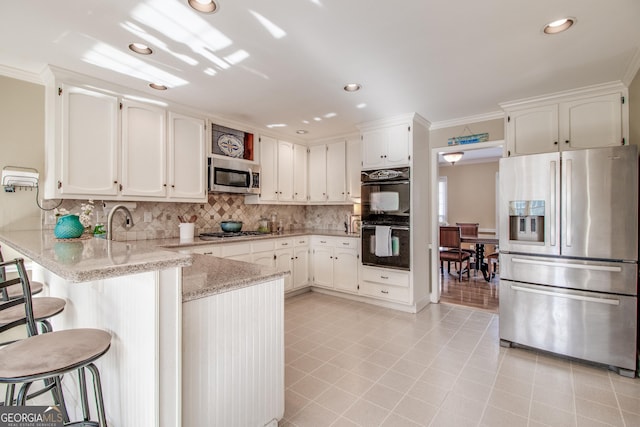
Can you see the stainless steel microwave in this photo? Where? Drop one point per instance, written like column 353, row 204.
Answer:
column 233, row 176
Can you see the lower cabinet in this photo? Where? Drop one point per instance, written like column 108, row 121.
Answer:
column 383, row 283
column 300, row 262
column 335, row 263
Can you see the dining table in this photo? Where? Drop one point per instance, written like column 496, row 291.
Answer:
column 479, row 241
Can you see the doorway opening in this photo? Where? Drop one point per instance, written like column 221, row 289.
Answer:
column 471, row 196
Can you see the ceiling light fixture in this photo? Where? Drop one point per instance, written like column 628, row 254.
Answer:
column 140, row 48
column 559, row 25
column 204, row 6
column 453, row 157
column 352, row 87
column 157, row 86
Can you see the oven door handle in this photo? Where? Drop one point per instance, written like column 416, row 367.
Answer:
column 372, row 183
column 393, row 227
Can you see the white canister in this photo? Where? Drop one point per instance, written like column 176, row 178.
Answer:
column 187, row 230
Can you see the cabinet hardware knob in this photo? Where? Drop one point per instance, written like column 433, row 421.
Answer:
column 208, row 253
column 555, row 142
column 385, row 292
column 384, row 277
column 566, row 141
column 59, row 184
column 120, row 187
column 173, row 186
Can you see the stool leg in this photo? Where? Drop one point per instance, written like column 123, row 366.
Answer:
column 97, row 388
column 60, row 398
column 83, row 394
column 21, row 400
column 8, row 395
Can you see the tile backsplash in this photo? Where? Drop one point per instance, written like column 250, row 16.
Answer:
column 163, row 217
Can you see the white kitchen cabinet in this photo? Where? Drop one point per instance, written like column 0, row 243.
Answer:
column 187, row 158
column 299, row 173
column 144, row 149
column 112, row 148
column 335, row 263
column 386, row 284
column 284, row 262
column 87, row 130
column 211, row 250
column 268, row 169
column 354, row 161
column 327, row 172
column 567, row 122
column 285, row 171
column 300, row 262
column 387, row 146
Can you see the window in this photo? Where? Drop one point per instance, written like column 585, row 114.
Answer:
column 442, row 200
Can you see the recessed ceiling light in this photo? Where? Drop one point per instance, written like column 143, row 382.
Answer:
column 559, row 25
column 204, row 6
column 276, row 125
column 157, row 86
column 352, row 87
column 140, row 48
column 301, row 131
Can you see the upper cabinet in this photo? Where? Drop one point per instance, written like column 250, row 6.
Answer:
column 327, row 172
column 354, row 162
column 116, row 149
column 586, row 119
column 387, row 146
column 283, row 175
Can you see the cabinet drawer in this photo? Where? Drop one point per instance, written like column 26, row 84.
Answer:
column 284, row 243
column 322, row 241
column 236, row 249
column 388, row 292
column 301, row 241
column 263, row 245
column 215, row 250
column 387, row 277
column 346, row 243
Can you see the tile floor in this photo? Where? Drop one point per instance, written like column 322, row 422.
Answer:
column 354, row 364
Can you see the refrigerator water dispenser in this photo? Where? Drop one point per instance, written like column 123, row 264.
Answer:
column 526, row 220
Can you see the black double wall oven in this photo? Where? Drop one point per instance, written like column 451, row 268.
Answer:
column 386, row 232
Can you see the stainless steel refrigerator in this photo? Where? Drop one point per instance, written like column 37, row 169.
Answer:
column 569, row 254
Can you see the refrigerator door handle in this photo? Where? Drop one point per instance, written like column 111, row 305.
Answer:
column 609, row 301
column 553, row 208
column 606, row 268
column 568, row 198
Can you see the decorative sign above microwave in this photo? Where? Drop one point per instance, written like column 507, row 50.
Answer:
column 231, row 142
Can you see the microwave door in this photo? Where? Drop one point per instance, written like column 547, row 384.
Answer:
column 600, row 203
column 529, row 204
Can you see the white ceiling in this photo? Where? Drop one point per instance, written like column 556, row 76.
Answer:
column 444, row 60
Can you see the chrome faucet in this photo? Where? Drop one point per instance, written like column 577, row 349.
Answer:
column 110, row 219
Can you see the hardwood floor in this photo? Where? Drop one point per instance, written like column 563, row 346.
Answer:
column 471, row 292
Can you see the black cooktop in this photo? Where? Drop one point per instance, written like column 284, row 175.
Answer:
column 221, row 234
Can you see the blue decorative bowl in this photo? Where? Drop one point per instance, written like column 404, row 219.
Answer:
column 68, row 227
column 231, row 226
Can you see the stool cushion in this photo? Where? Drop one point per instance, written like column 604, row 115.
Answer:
column 15, row 291
column 51, row 354
column 43, row 308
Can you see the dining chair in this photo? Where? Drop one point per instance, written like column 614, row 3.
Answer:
column 492, row 264
column 451, row 250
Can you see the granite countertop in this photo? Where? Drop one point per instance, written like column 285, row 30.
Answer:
column 86, row 259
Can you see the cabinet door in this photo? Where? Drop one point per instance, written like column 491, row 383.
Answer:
column 263, row 258
column 187, row 158
column 532, row 131
column 317, row 173
column 300, row 267
column 143, row 150
column 285, row 171
column 89, row 142
column 323, row 266
column 268, row 169
column 336, row 171
column 299, row 173
column 591, row 122
column 374, row 148
column 284, row 262
column 397, row 146
column 345, row 270
column 354, row 160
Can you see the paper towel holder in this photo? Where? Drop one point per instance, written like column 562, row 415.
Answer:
column 19, row 177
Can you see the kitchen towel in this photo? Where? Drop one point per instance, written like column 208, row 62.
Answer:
column 383, row 240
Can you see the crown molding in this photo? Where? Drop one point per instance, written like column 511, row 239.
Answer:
column 467, row 120
column 632, row 69
column 18, row 74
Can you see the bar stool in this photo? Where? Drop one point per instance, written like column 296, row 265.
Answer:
column 15, row 291
column 49, row 356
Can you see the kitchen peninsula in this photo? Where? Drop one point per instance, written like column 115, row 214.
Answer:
column 189, row 332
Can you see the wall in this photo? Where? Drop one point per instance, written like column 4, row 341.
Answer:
column 471, row 195
column 21, row 144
